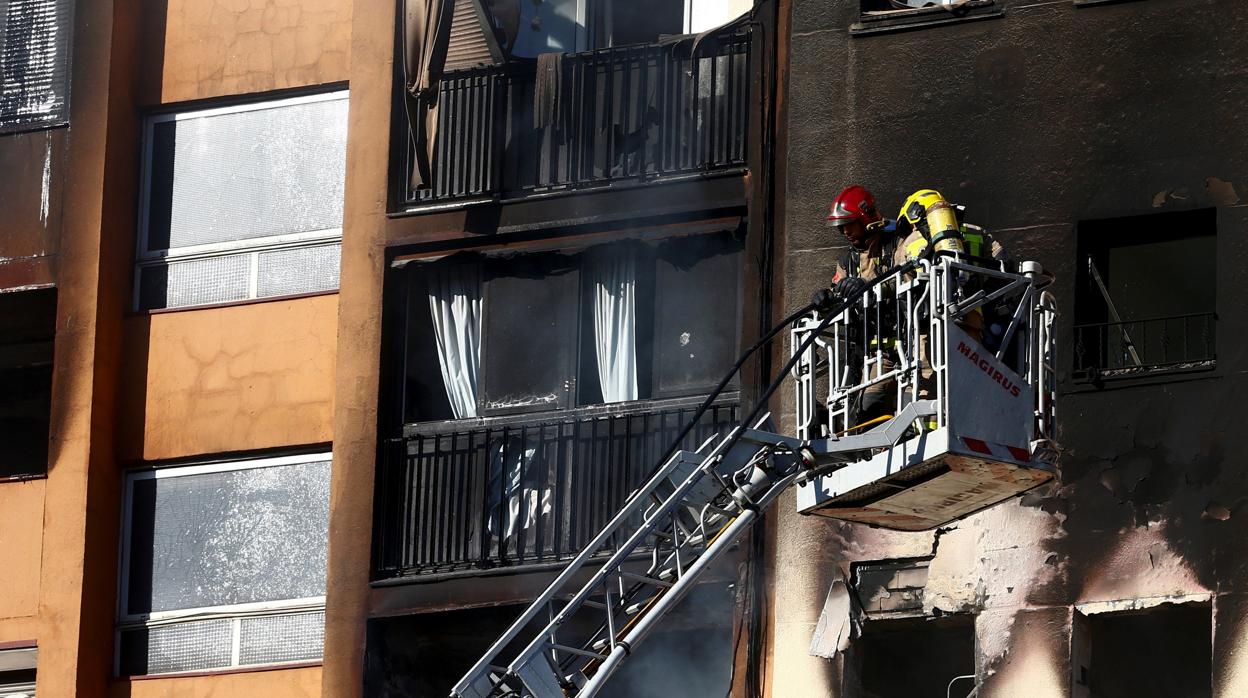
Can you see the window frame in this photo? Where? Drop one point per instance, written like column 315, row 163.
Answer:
column 570, row 401
column 127, row 621
column 145, row 258
column 1094, row 243
column 919, row 17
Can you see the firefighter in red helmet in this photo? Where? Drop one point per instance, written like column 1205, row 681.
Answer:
column 874, row 249
column 872, row 239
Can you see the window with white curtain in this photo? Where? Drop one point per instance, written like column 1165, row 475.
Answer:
column 242, row 202
column 223, row 565
column 547, row 331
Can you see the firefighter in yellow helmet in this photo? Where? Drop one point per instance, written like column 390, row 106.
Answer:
column 877, row 244
column 928, row 219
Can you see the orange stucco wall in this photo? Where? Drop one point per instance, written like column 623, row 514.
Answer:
column 227, row 47
column 21, row 541
column 284, row 683
column 229, row 379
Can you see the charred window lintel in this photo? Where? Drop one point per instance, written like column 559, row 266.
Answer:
column 1095, row 3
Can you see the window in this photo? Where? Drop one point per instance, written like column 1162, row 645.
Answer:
column 27, row 329
column 1161, row 651
column 548, row 331
column 17, row 672
column 34, row 63
column 223, row 565
column 1127, row 323
column 916, row 657
column 565, row 26
column 880, row 16
column 242, row 202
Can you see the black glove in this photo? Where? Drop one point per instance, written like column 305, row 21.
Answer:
column 849, row 286
column 824, row 299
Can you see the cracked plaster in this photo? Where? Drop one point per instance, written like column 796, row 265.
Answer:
column 230, row 379
column 223, row 47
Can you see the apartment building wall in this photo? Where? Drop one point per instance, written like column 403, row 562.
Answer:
column 377, row 231
column 133, row 389
column 1045, row 120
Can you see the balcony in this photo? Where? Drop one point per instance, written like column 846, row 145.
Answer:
column 1174, row 344
column 623, row 115
column 503, row 493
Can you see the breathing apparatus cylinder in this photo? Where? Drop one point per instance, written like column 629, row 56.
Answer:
column 936, row 220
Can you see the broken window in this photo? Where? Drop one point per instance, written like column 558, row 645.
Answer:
column 223, row 565
column 27, row 330
column 1153, row 653
column 891, row 587
column 915, row 657
column 546, row 331
column 242, row 202
column 1146, row 295
column 34, row 63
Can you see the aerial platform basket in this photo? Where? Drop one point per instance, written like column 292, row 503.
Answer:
column 963, row 353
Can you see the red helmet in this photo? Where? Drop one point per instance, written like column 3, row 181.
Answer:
column 854, row 203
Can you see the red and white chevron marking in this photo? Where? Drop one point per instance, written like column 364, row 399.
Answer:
column 989, row 448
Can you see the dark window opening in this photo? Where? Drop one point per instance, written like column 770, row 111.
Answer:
column 422, row 656
column 623, row 22
column 27, row 330
column 552, row 331
column 1145, row 296
column 916, row 658
column 1120, row 649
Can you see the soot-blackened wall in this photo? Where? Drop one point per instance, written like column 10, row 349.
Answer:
column 1046, row 116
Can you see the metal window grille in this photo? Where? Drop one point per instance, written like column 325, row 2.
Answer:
column 632, row 113
column 519, row 491
column 1126, row 349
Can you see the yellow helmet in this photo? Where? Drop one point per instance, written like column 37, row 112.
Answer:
column 936, row 220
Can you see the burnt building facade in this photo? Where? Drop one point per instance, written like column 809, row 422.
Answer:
column 557, row 246
column 1097, row 138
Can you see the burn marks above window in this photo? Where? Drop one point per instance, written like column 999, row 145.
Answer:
column 1145, row 296
column 34, row 63
column 242, row 202
column 556, row 330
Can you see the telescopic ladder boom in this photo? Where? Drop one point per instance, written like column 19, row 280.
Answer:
column 608, row 599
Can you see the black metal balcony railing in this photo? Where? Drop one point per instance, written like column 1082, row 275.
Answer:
column 1137, row 347
column 633, row 112
column 519, row 491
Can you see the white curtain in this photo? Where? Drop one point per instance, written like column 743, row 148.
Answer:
column 455, row 305
column 612, row 276
column 515, row 486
